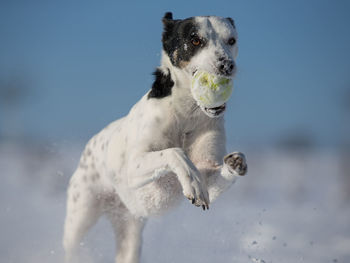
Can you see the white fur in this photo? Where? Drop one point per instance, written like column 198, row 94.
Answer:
column 142, row 164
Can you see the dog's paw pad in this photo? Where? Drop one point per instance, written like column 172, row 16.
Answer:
column 236, row 162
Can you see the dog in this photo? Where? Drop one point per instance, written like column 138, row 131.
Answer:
column 167, row 146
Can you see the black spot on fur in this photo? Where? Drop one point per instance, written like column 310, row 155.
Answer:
column 162, row 85
column 177, row 39
column 88, row 152
column 95, row 177
column 83, row 166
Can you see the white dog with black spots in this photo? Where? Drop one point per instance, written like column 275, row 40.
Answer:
column 167, row 147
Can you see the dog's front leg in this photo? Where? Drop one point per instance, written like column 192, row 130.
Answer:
column 221, row 177
column 207, row 152
column 144, row 168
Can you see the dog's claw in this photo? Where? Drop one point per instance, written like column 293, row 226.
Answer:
column 203, row 206
column 193, row 201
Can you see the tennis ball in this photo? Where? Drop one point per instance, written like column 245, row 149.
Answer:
column 209, row 90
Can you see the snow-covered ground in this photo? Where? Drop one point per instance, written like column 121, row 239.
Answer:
column 291, row 207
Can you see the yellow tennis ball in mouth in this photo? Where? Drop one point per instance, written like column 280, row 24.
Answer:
column 210, row 90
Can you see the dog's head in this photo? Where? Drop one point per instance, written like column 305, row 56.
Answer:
column 203, row 43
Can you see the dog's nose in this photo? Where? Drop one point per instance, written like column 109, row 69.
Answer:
column 226, row 66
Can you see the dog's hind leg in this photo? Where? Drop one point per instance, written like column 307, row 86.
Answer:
column 83, row 210
column 128, row 233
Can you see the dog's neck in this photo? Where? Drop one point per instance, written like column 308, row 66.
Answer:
column 180, row 77
column 181, row 92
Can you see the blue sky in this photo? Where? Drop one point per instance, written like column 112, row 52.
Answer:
column 88, row 62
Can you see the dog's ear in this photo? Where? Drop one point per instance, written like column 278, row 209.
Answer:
column 168, row 25
column 231, row 21
column 168, row 22
column 168, row 15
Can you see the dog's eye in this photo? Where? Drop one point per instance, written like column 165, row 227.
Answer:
column 231, row 41
column 195, row 41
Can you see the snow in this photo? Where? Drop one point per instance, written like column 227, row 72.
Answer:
column 291, row 207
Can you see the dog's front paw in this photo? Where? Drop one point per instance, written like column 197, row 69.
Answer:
column 236, row 163
column 198, row 194
column 193, row 184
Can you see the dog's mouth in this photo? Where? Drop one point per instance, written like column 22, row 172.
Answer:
column 214, row 112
